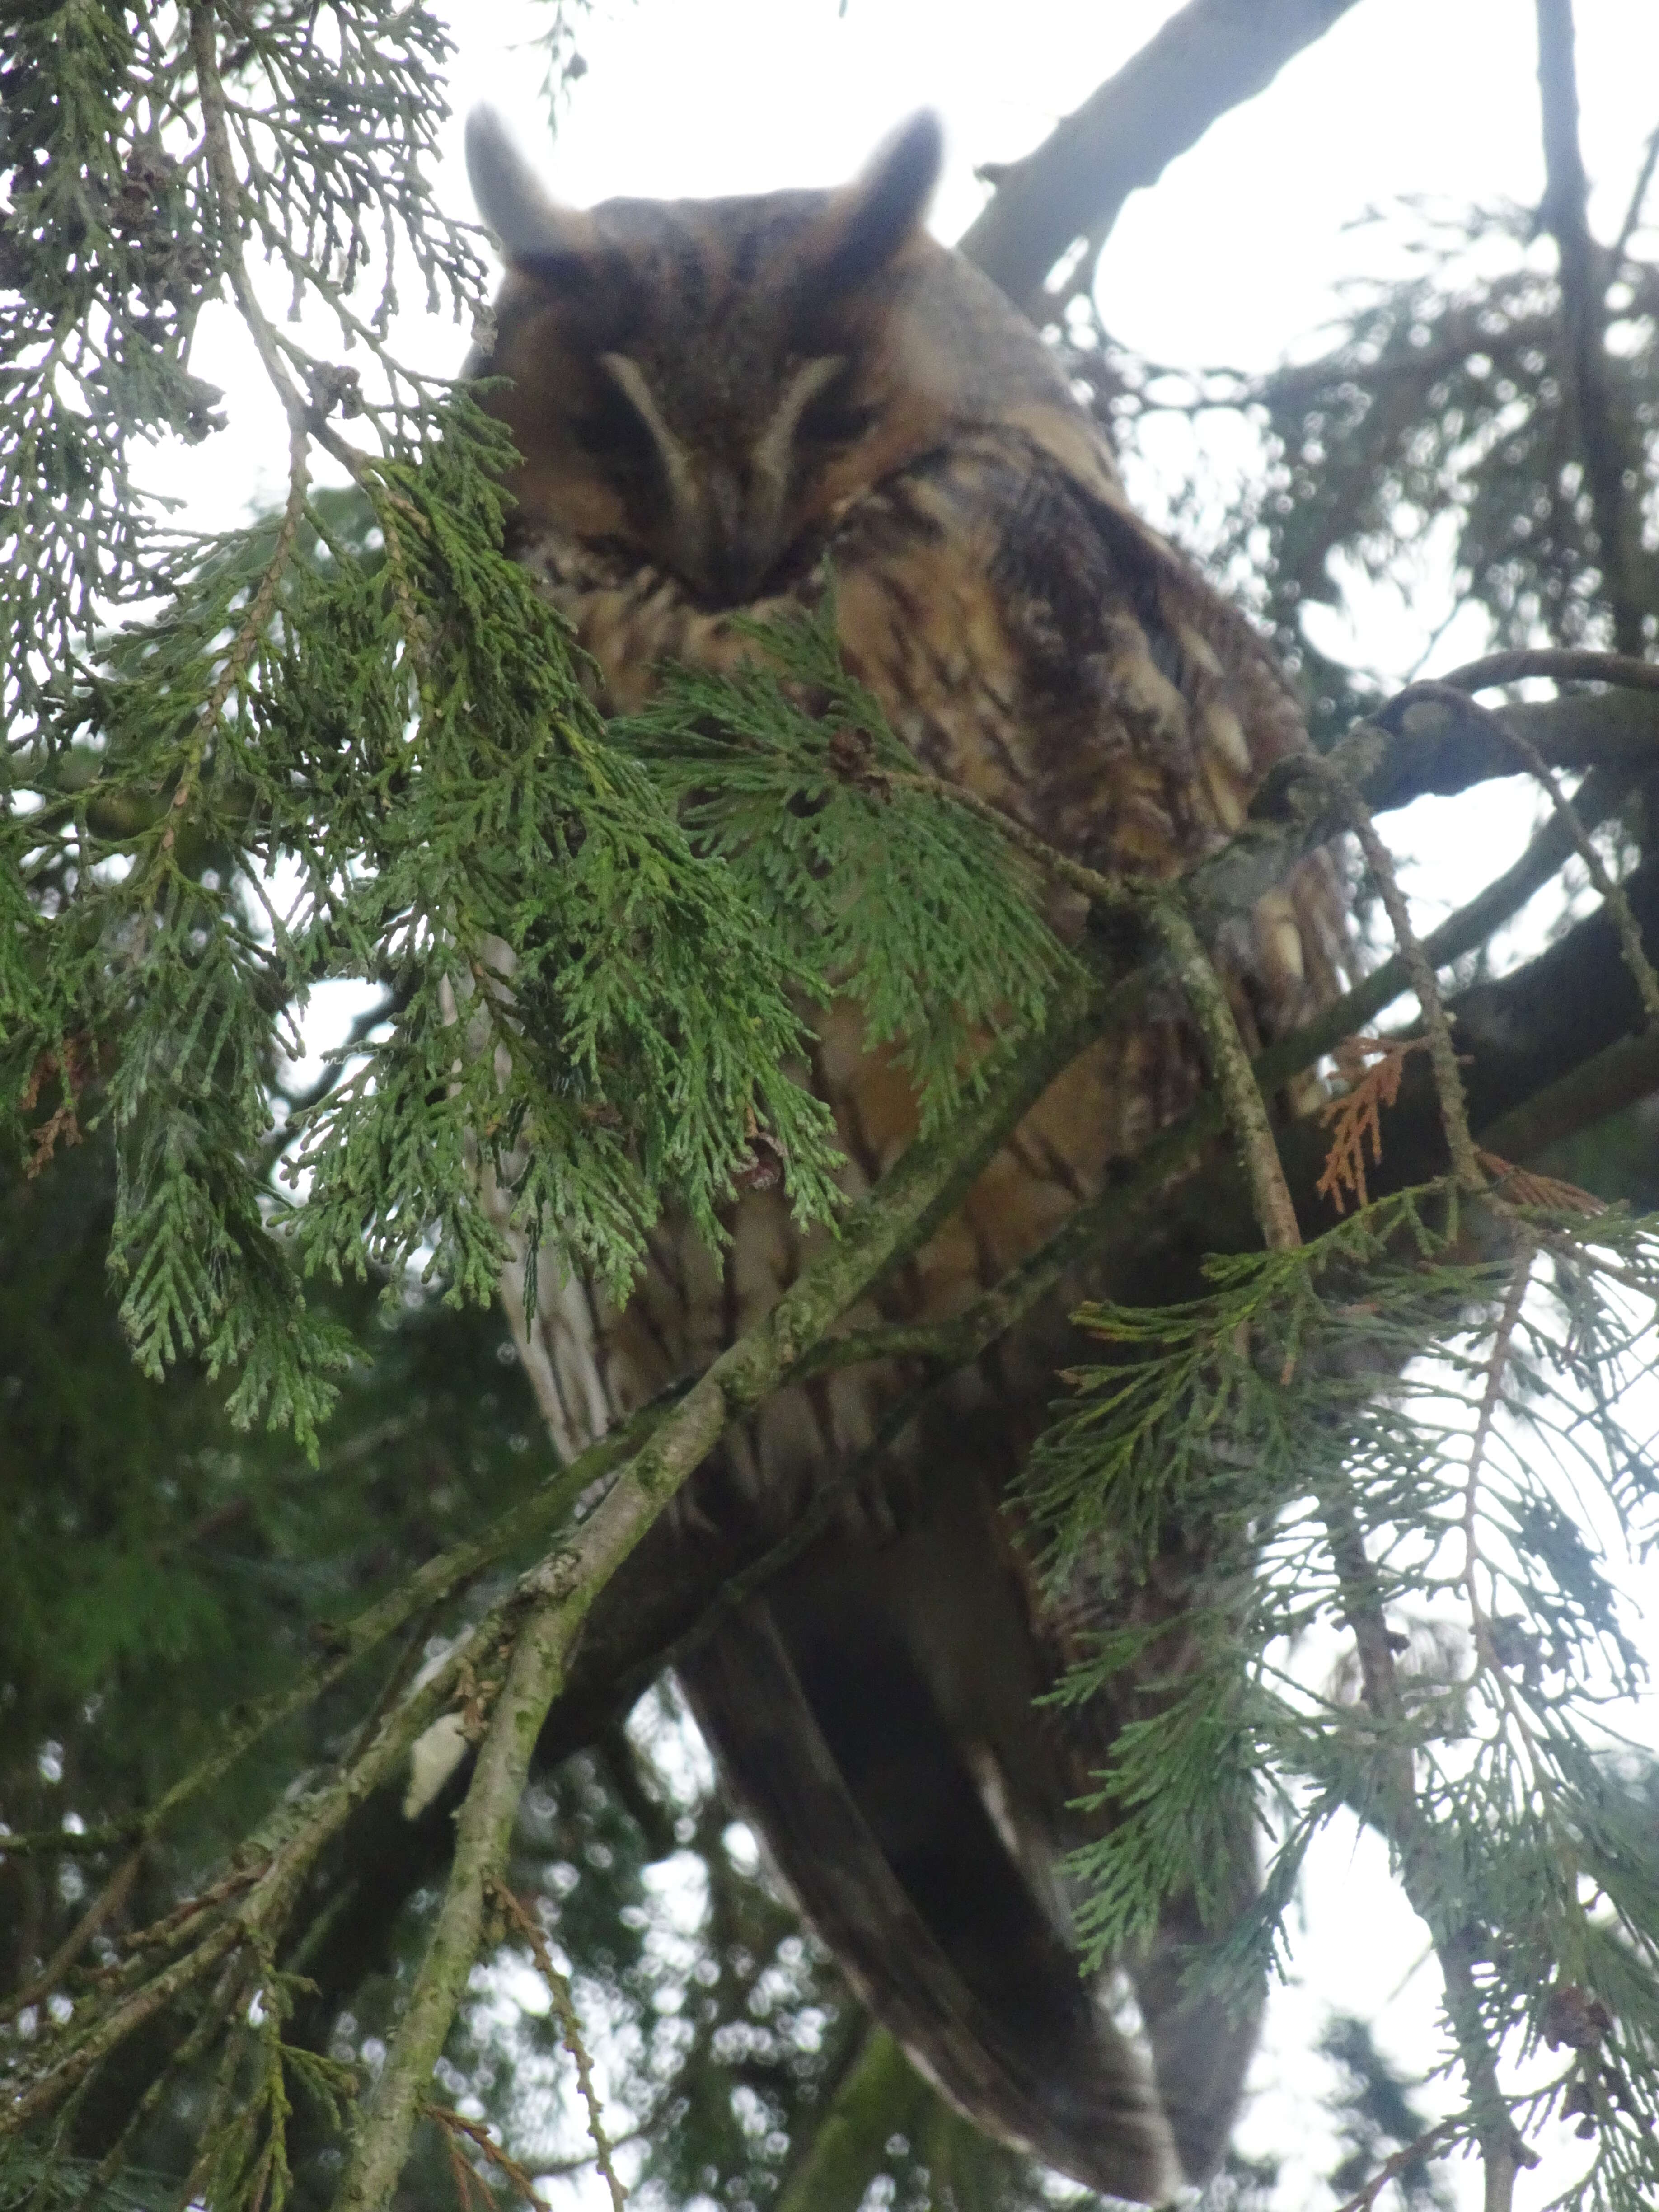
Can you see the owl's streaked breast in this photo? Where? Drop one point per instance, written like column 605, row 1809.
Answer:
column 1068, row 668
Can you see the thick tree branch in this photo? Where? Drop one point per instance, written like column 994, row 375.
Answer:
column 1551, row 1041
column 568, row 1580
column 1210, row 57
column 1441, row 744
column 1592, row 424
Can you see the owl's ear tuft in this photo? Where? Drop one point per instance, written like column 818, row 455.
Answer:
column 868, row 221
column 531, row 226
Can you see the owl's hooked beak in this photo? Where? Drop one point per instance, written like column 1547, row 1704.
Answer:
column 725, row 527
column 736, row 545
column 734, row 519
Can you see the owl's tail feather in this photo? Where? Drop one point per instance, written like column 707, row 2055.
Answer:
column 836, row 1746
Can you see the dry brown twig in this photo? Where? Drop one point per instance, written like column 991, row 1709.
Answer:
column 1522, row 1187
column 74, row 1069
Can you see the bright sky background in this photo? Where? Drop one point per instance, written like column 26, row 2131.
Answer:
column 1232, row 258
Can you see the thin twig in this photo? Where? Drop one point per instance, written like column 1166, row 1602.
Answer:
column 166, row 1933
column 304, row 418
column 1443, row 1053
column 1429, row 2144
column 558, row 1990
column 476, row 2132
column 232, row 1983
column 113, row 2029
column 1108, row 891
column 1617, row 905
column 1396, row 1810
column 108, row 1902
column 1628, row 228
column 1491, row 1397
column 1229, row 1064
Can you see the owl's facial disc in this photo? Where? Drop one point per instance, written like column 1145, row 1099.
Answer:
column 703, row 387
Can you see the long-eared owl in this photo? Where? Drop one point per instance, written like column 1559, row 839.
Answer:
column 715, row 402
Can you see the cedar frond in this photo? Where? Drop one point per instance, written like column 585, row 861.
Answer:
column 1373, row 1066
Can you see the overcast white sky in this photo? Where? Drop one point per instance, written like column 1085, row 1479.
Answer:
column 1233, row 258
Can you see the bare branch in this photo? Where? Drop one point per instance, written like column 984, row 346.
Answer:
column 1583, row 296
column 108, row 1902
column 1210, row 57
column 1630, row 936
column 1434, row 2142
column 564, row 2008
column 1632, row 223
column 1559, row 661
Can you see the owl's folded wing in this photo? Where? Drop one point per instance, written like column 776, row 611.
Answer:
column 850, row 1773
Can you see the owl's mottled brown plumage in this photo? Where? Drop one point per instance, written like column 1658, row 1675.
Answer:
column 713, row 400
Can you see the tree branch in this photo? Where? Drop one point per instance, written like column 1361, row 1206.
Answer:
column 1442, row 743
column 1210, row 57
column 485, row 1831
column 671, row 1437
column 1398, row 1809
column 1592, row 425
column 1229, row 1069
column 1611, row 893
column 1449, row 1085
column 1632, row 223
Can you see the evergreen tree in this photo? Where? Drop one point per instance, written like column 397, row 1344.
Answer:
column 276, row 1496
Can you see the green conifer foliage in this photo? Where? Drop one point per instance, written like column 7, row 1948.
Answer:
column 282, row 1502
